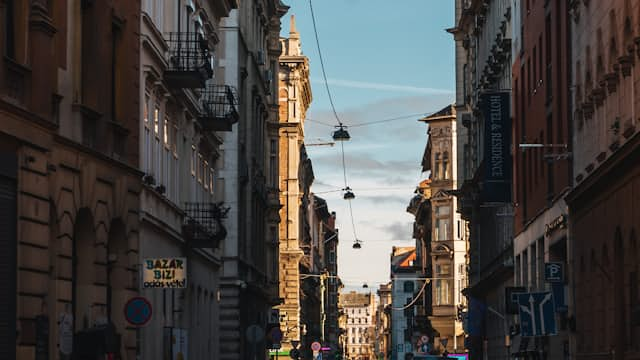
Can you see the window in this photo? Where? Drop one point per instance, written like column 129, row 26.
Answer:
column 205, row 175
column 211, row 181
column 408, row 286
column 165, row 131
column 145, row 111
column 441, row 229
column 193, row 160
column 442, row 210
column 199, row 168
column 156, row 120
column 442, row 293
column 443, row 269
column 273, row 162
column 436, row 167
column 445, row 165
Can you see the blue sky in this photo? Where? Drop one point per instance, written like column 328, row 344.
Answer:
column 383, row 59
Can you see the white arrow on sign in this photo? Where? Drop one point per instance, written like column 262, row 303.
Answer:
column 531, row 312
column 540, row 306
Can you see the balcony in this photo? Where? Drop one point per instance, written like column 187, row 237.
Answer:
column 202, row 227
column 190, row 61
column 219, row 108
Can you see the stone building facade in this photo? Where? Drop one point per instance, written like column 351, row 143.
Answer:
column 248, row 62
column 542, row 175
column 383, row 322
column 483, row 34
column 604, row 208
column 185, row 105
column 294, row 98
column 69, row 178
column 448, row 247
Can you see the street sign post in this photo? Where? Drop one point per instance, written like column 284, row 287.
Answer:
column 537, row 314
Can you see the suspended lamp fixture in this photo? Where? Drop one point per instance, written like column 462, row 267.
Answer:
column 341, row 134
column 348, row 194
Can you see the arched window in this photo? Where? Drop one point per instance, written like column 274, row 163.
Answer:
column 436, row 167
column 445, row 165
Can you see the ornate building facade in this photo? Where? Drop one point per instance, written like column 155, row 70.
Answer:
column 448, row 247
column 359, row 309
column 604, row 207
column 248, row 62
column 483, row 34
column 185, row 106
column 295, row 175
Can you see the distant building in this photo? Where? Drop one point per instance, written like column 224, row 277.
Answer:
column 383, row 323
column 449, row 245
column 360, row 310
column 404, row 288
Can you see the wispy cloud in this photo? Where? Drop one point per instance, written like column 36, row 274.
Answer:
column 398, row 230
column 383, row 87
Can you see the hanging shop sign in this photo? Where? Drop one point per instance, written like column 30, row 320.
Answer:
column 497, row 147
column 164, row 273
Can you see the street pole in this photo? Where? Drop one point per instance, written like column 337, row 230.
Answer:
column 322, row 312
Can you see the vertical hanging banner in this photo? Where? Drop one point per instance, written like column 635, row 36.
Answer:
column 496, row 111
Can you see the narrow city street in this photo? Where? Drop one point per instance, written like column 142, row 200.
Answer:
column 319, row 179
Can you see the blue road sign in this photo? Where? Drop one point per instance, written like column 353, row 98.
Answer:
column 537, row 314
column 554, row 272
column 137, row 311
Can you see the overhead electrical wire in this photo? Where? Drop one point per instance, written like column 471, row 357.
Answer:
column 335, row 114
column 324, row 74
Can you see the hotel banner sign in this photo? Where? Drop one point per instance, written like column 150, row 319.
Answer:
column 495, row 108
column 164, row 273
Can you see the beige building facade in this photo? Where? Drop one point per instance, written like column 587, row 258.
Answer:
column 294, row 98
column 449, row 238
column 183, row 114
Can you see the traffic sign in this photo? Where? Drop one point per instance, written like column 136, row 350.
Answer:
column 315, row 346
column 554, row 272
column 137, row 311
column 537, row 314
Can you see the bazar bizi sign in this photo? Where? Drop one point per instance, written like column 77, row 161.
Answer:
column 164, row 273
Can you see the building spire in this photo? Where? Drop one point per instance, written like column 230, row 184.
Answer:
column 292, row 25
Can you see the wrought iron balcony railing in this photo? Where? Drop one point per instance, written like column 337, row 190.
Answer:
column 219, row 107
column 190, row 60
column 202, row 227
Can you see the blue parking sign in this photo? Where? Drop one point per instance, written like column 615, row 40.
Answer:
column 554, row 272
